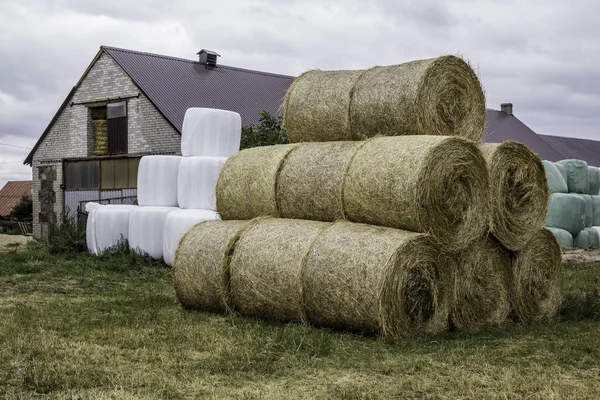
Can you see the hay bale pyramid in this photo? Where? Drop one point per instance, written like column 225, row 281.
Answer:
column 384, row 215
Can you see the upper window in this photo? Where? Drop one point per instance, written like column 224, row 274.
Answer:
column 109, row 124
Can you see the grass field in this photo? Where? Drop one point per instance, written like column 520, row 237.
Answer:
column 76, row 326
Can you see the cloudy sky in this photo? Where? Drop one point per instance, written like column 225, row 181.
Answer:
column 543, row 56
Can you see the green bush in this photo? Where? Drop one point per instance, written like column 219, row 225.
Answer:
column 269, row 131
column 68, row 237
column 23, row 210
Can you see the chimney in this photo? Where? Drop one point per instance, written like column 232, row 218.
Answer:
column 506, row 108
column 208, row 57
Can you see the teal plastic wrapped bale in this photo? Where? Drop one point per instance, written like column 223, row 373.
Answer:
column 589, row 210
column 556, row 182
column 594, row 237
column 596, row 210
column 594, row 179
column 566, row 211
column 582, row 241
column 564, row 238
column 577, row 176
column 562, row 170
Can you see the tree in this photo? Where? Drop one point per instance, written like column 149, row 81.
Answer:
column 269, row 131
column 23, row 210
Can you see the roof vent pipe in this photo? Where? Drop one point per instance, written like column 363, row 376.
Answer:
column 208, row 57
column 507, row 108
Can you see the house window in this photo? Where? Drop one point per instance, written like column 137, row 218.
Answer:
column 119, row 173
column 116, row 119
column 81, row 175
column 109, row 125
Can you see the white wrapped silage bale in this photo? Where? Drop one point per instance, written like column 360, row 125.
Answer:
column 90, row 227
column 146, row 229
column 210, row 132
column 178, row 222
column 112, row 225
column 556, row 183
column 157, row 181
column 564, row 238
column 582, row 241
column 566, row 211
column 594, row 239
column 197, row 181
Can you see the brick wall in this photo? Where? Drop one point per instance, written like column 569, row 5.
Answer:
column 71, row 135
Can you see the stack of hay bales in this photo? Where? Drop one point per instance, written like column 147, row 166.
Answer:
column 574, row 188
column 395, row 235
column 174, row 192
column 99, row 127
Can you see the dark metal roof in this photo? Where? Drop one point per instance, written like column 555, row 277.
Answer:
column 173, row 85
column 581, row 149
column 11, row 194
column 501, row 126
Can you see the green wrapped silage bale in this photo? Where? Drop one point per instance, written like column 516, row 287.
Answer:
column 566, row 211
column 589, row 210
column 594, row 179
column 564, row 238
column 594, row 237
column 596, row 210
column 582, row 241
column 577, row 175
column 556, row 182
column 562, row 170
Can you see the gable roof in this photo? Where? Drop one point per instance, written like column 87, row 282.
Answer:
column 174, row 84
column 11, row 194
column 500, row 126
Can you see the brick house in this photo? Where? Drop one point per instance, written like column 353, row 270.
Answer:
column 128, row 104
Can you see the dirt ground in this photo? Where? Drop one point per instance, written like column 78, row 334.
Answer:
column 8, row 239
column 580, row 255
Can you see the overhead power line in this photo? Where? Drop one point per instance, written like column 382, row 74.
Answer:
column 12, row 145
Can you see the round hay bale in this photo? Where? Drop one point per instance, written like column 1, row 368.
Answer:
column 432, row 184
column 537, row 278
column 555, row 180
column 564, row 238
column 566, row 211
column 589, row 210
column 265, row 268
column 438, row 96
column 594, row 179
column 582, row 241
column 577, row 175
column 316, row 106
column 374, row 279
column 246, row 185
column 481, row 286
column 594, row 239
column 562, row 170
column 519, row 193
column 311, row 180
column 200, row 264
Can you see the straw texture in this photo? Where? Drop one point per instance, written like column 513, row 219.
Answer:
column 519, row 193
column 438, row 96
column 537, row 278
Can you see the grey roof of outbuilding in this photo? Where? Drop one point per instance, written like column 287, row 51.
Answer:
column 174, row 84
column 500, row 127
column 581, row 149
